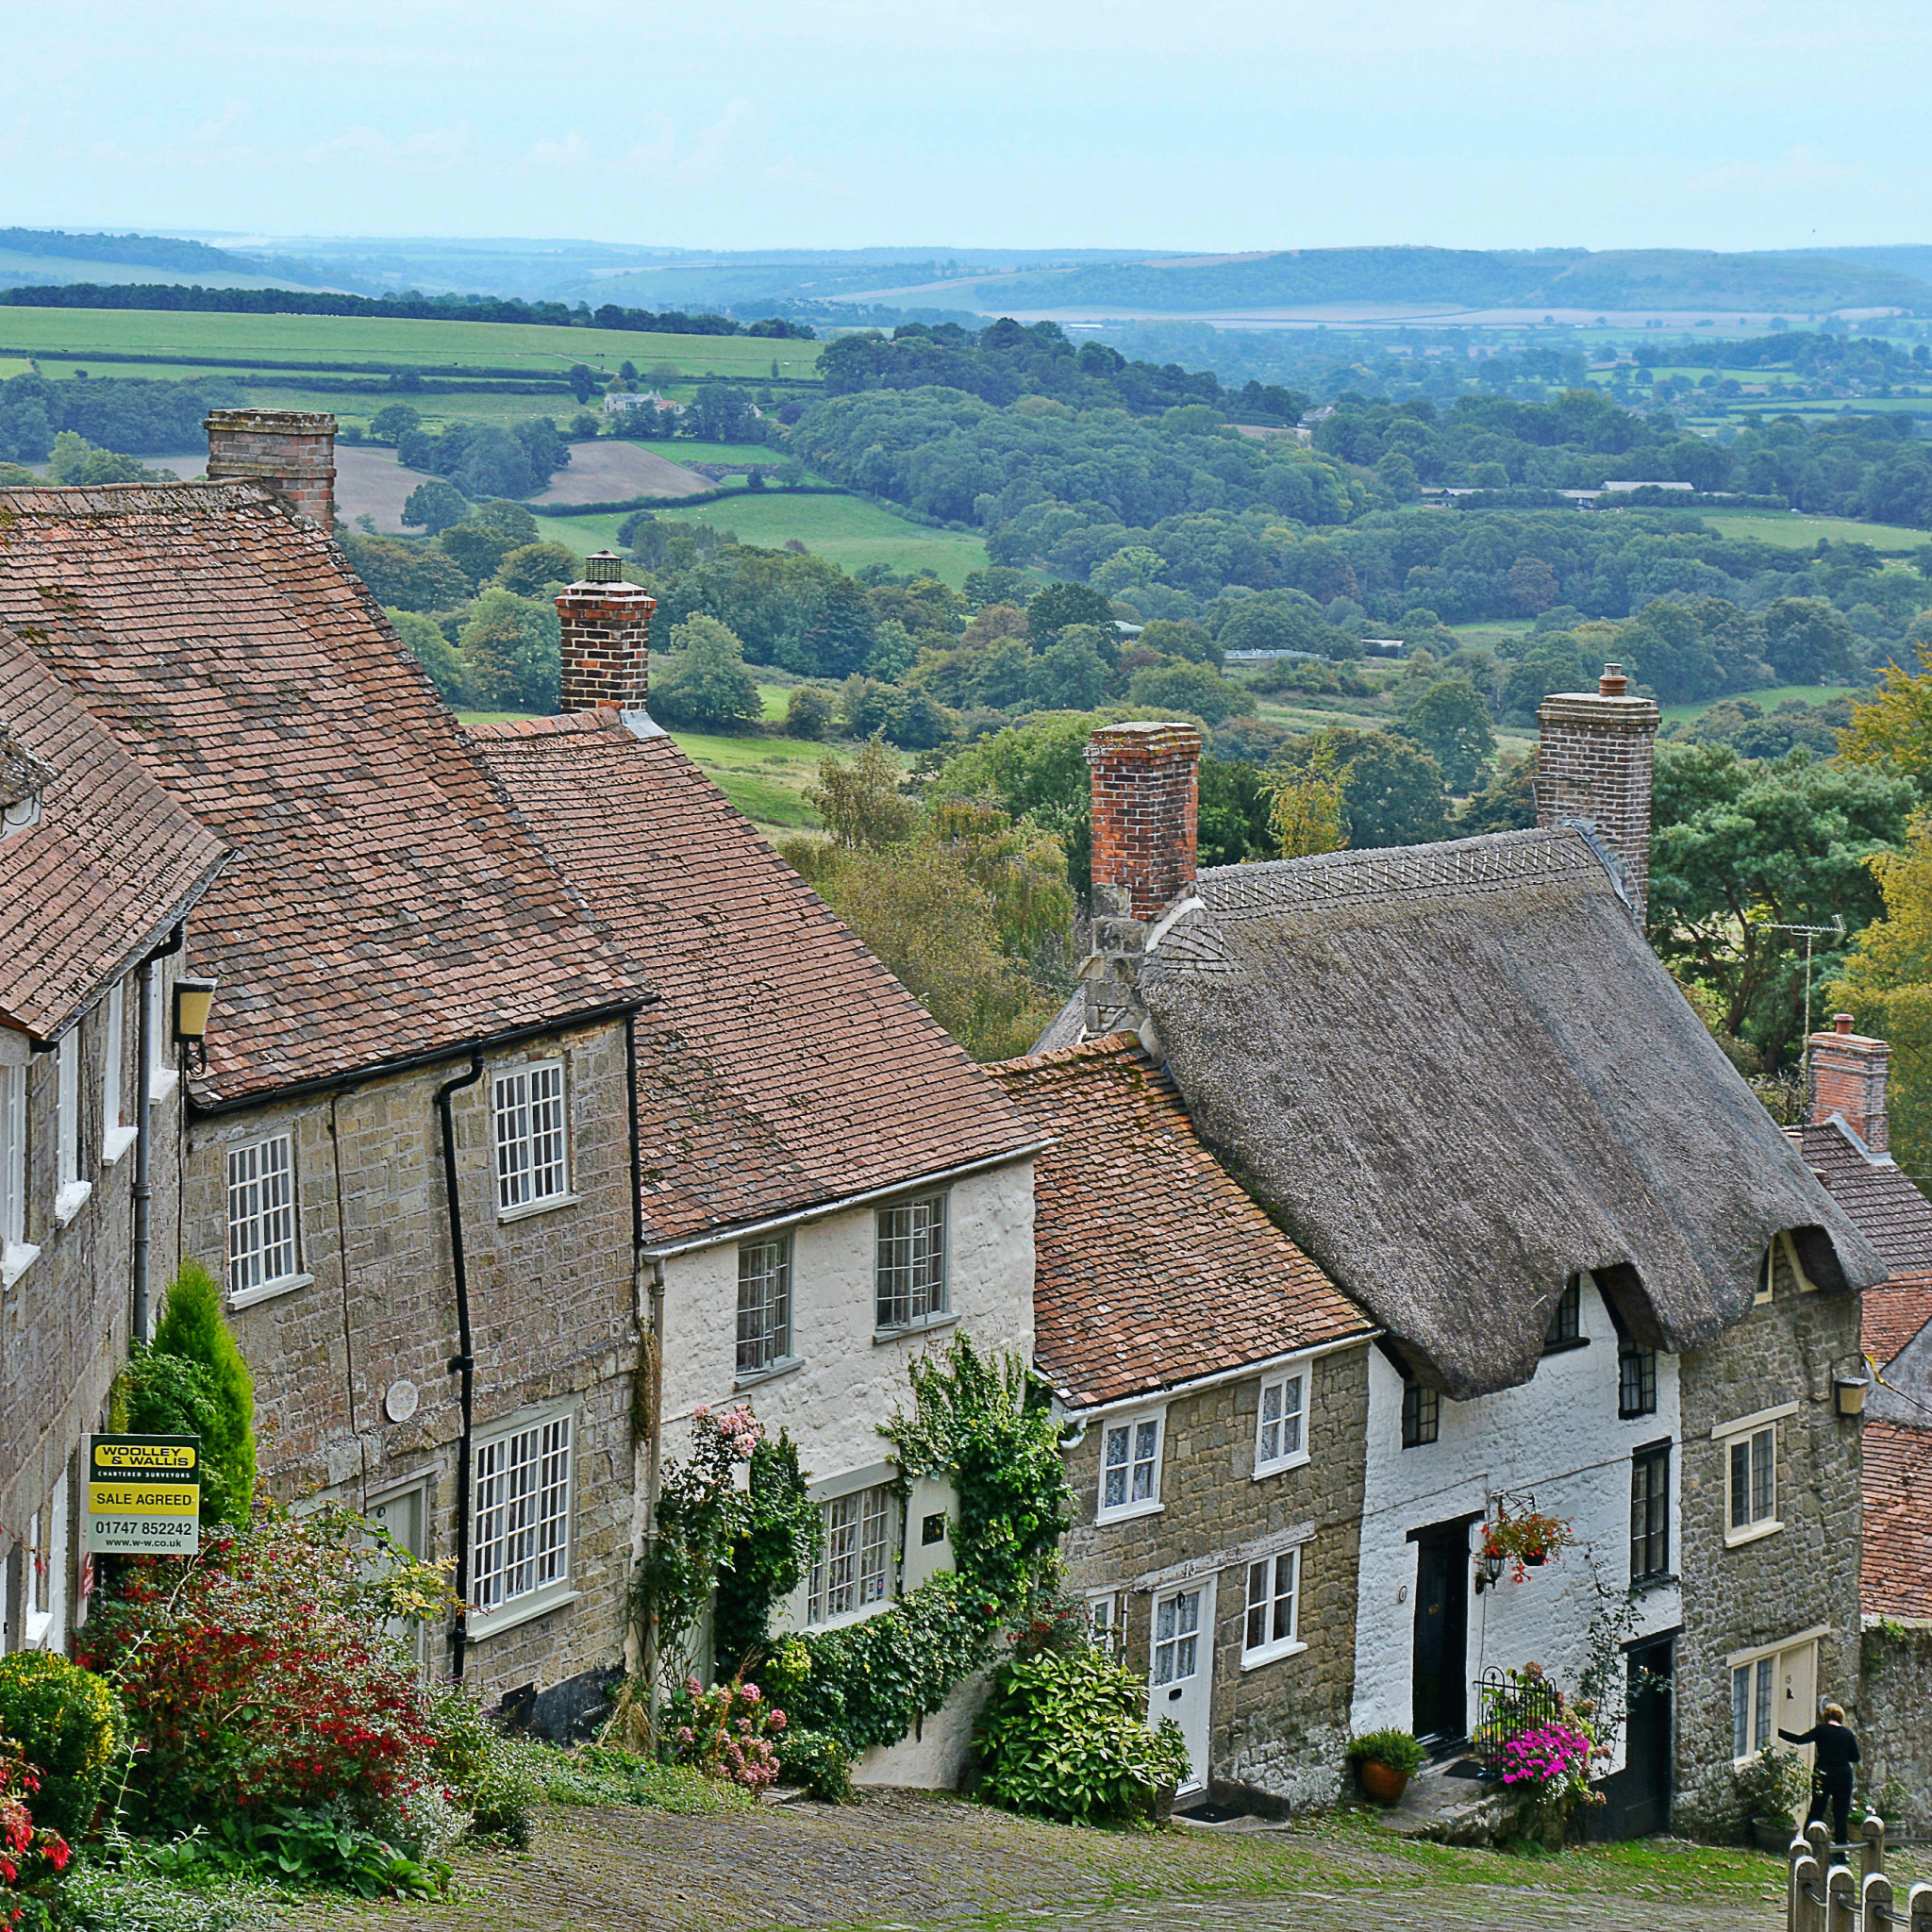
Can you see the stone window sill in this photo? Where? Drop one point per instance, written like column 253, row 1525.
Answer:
column 750, row 1378
column 161, row 1084
column 1253, row 1659
column 1736, row 1539
column 924, row 1326
column 16, row 1258
column 523, row 1610
column 1127, row 1512
column 1664, row 1579
column 71, row 1200
column 269, row 1290
column 117, row 1141
column 542, row 1206
column 1282, row 1465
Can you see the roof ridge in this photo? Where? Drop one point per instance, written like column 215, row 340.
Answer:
column 1106, row 1046
column 54, row 501
column 603, row 718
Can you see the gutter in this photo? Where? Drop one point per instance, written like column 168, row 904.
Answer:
column 463, row 1363
column 744, row 1230
column 409, row 1063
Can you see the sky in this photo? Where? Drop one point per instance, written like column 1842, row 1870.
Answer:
column 1220, row 124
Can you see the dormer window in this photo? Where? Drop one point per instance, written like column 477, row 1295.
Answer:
column 1566, row 1319
column 21, row 780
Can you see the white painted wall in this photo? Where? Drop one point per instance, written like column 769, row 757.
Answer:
column 1558, row 1437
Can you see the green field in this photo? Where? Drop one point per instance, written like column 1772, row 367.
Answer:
column 1765, row 700
column 542, row 349
column 1790, row 532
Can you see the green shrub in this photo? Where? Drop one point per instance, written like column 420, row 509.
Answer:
column 497, row 1777
column 778, row 1536
column 139, row 1899
column 597, row 1774
column 1397, row 1749
column 193, row 1329
column 818, row 1764
column 67, row 1723
column 1774, row 1786
column 1064, row 1735
column 168, row 1395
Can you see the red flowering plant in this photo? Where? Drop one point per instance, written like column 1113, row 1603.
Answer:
column 31, row 1858
column 730, row 1731
column 268, row 1671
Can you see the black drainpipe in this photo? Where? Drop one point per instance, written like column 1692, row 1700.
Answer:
column 463, row 1362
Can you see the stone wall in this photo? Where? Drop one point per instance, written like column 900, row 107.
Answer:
column 352, row 1388
column 1280, row 1728
column 1895, row 1722
column 1802, row 1577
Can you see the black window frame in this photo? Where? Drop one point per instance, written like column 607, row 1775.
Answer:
column 1421, row 1414
column 1636, row 1381
column 1650, row 1513
column 1566, row 1319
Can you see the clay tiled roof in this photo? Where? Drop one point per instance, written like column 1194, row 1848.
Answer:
column 1895, row 1313
column 383, row 900
column 1889, row 1210
column 785, row 1067
column 1152, row 1268
column 1896, row 1575
column 109, row 867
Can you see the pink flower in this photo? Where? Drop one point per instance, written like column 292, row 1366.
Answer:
column 751, row 1693
column 684, row 1734
column 777, row 1720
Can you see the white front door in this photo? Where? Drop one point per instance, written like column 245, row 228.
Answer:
column 1797, row 1679
column 1181, row 1670
column 406, row 1516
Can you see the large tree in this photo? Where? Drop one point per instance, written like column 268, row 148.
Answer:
column 1391, row 790
column 704, row 685
column 1450, row 719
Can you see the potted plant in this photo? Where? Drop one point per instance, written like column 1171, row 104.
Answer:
column 1384, row 1763
column 1771, row 1789
column 1529, row 1540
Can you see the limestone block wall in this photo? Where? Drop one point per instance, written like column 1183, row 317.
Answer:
column 1803, row 1577
column 1281, row 1727
column 1894, row 1701
column 552, row 1312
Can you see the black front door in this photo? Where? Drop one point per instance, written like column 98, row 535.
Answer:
column 1441, row 1632
column 1638, row 1796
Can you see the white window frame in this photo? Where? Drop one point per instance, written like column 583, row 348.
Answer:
column 1106, row 1622
column 262, row 1164
column 117, row 1135
column 1299, row 1378
column 17, row 1254
column 781, row 1354
column 162, row 1076
column 1266, row 1571
column 1742, row 1433
column 518, row 1160
column 44, row 1578
column 926, row 1296
column 1760, row 1671
column 523, row 1518
column 857, row 1572
column 1128, row 1427
column 69, row 1190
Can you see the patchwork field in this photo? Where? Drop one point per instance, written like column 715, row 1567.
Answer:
column 1764, row 700
column 848, row 530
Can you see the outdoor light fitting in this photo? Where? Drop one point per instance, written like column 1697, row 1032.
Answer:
column 1848, row 1394
column 192, row 999
column 1488, row 1571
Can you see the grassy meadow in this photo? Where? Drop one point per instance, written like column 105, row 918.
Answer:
column 1764, row 700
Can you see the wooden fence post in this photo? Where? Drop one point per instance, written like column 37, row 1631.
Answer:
column 1872, row 1855
column 1842, row 1897
column 1874, row 1902
column 1918, row 1911
column 1818, row 1837
column 1806, row 1915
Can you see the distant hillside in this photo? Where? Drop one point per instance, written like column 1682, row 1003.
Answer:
column 34, row 257
column 1468, row 279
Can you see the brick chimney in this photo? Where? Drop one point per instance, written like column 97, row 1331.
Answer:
column 606, row 638
column 1145, row 782
column 1594, row 762
column 1848, row 1072
column 292, row 451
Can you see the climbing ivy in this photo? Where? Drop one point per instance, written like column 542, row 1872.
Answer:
column 778, row 1538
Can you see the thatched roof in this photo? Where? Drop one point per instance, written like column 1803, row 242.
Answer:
column 1458, row 1075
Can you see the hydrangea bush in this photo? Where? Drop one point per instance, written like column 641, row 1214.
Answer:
column 731, row 1731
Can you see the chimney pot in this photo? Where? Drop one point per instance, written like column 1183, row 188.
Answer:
column 292, row 451
column 1612, row 684
column 606, row 638
column 1842, row 1023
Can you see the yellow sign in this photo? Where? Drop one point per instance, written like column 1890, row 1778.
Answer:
column 144, row 1495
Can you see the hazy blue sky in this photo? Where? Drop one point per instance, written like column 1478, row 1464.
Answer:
column 1215, row 124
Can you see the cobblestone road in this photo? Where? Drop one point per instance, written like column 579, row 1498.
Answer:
column 907, row 1862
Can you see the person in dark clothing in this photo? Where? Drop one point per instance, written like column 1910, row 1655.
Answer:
column 1835, row 1751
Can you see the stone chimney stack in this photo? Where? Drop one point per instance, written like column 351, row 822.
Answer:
column 1848, row 1072
column 1594, row 762
column 1145, row 783
column 606, row 638
column 292, row 451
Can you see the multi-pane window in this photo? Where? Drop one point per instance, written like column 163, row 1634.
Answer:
column 1650, row 1513
column 1105, row 1623
column 1130, row 1465
column 1176, row 1637
column 1636, row 1381
column 1272, row 1589
column 854, row 1569
column 1279, row 1428
column 13, row 1249
column 909, row 1267
column 764, row 1302
column 1754, row 1478
column 261, row 1214
column 1421, row 1414
column 1566, row 1318
column 67, row 1122
column 523, row 1513
column 114, row 1055
column 532, row 1152
column 1752, row 1706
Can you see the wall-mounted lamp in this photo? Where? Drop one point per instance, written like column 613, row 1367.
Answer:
column 192, row 999
column 1848, row 1394
column 1488, row 1571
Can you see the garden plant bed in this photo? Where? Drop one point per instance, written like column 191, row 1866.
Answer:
column 901, row 1858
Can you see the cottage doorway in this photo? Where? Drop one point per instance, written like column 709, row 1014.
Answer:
column 1638, row 1798
column 1181, row 1670
column 1440, row 1670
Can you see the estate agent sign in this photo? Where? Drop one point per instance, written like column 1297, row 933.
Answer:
column 144, row 1495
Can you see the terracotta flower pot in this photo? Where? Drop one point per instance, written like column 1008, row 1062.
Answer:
column 1381, row 1782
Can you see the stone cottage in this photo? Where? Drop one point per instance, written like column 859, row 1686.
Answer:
column 1846, row 1141
column 408, row 1150
column 828, row 1186
column 1457, row 1076
column 1213, row 1383
column 98, row 869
